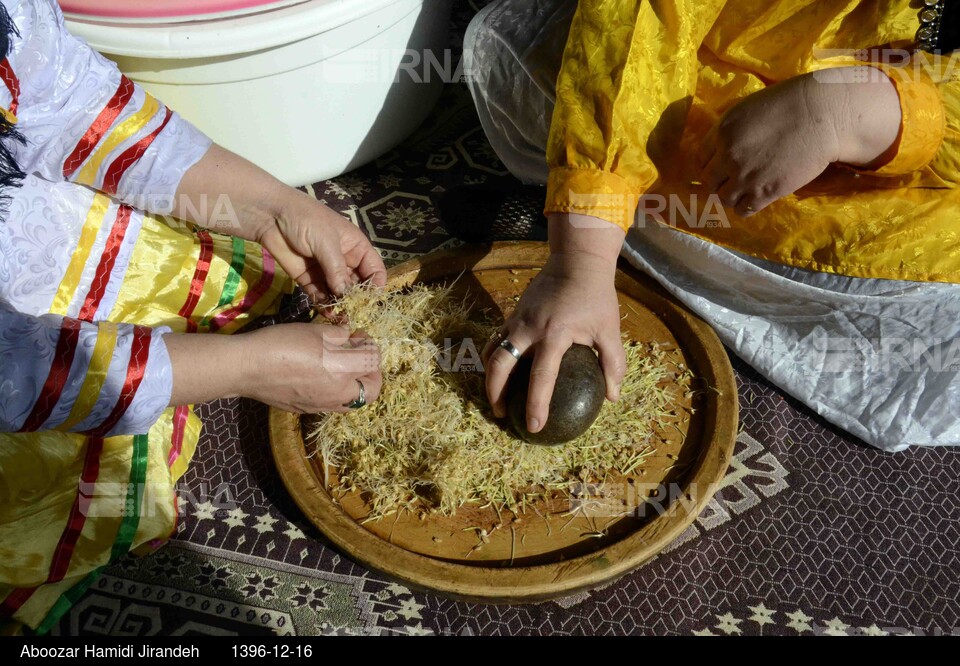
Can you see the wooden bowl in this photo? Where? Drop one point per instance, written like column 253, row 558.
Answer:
column 546, row 553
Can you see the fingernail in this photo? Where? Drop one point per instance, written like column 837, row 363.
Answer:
column 533, row 425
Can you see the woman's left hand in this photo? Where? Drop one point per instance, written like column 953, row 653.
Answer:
column 320, row 248
column 779, row 139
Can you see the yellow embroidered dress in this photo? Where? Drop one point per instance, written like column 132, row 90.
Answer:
column 643, row 82
column 843, row 293
column 89, row 285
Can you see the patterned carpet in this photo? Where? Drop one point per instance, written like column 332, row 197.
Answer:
column 812, row 532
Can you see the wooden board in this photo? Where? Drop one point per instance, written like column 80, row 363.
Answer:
column 548, row 553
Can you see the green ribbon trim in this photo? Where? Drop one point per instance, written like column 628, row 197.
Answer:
column 67, row 600
column 232, row 283
column 132, row 505
column 125, row 534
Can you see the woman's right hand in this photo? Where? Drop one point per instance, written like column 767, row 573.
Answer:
column 573, row 300
column 301, row 368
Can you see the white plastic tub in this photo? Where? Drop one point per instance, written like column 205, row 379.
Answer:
column 307, row 89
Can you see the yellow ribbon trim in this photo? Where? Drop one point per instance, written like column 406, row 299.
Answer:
column 12, row 119
column 96, row 375
column 128, row 128
column 88, row 236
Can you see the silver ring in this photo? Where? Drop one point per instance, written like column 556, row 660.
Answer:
column 506, row 344
column 361, row 401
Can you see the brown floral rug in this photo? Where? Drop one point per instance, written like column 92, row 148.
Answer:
column 812, row 532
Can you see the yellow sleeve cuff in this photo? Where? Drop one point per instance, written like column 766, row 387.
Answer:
column 922, row 124
column 591, row 192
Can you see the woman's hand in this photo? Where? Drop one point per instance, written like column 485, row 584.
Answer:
column 310, row 368
column 316, row 246
column 572, row 300
column 320, row 248
column 779, row 139
column 302, row 368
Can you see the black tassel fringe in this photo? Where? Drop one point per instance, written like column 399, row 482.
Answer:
column 11, row 175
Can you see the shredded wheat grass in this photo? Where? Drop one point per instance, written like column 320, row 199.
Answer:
column 431, row 444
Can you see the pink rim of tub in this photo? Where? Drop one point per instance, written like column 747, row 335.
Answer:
column 168, row 10
column 211, row 36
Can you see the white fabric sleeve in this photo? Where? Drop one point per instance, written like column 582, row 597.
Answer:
column 85, row 122
column 99, row 379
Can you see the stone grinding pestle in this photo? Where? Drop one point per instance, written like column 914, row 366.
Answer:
column 575, row 404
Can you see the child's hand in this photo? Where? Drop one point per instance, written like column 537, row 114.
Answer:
column 321, row 249
column 779, row 139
